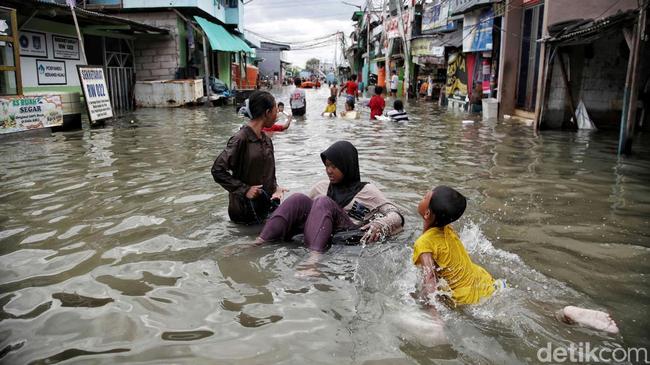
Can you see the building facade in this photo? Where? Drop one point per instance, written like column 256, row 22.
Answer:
column 274, row 60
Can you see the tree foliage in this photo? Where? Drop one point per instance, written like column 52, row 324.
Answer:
column 312, row 64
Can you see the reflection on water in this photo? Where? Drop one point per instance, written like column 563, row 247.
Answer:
column 115, row 244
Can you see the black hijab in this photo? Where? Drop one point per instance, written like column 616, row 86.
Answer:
column 345, row 157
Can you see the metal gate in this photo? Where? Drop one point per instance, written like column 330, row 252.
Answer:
column 120, row 70
column 121, row 84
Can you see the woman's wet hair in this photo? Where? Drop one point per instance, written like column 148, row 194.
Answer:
column 297, row 81
column 259, row 103
column 447, row 205
column 350, row 103
column 398, row 105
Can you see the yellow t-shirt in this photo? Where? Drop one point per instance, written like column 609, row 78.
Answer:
column 330, row 108
column 468, row 281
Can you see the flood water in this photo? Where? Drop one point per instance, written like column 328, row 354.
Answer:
column 115, row 244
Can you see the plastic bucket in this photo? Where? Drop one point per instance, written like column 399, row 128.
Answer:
column 490, row 108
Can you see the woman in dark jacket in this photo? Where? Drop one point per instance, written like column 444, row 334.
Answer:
column 246, row 167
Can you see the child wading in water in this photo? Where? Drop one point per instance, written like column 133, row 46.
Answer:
column 441, row 254
column 330, row 109
column 349, row 112
column 376, row 103
column 398, row 114
column 277, row 127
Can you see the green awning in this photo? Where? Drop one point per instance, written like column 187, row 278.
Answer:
column 245, row 47
column 221, row 39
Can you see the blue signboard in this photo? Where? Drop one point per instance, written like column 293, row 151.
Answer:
column 435, row 17
column 477, row 30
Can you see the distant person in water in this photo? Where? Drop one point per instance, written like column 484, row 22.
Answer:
column 342, row 203
column 398, row 114
column 349, row 112
column 246, row 167
column 298, row 100
column 330, row 108
column 351, row 88
column 377, row 103
column 334, row 90
column 278, row 127
column 440, row 254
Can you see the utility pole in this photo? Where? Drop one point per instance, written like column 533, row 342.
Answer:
column 389, row 45
column 406, row 41
column 367, row 76
column 336, row 46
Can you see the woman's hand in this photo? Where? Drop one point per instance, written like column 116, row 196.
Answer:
column 254, row 191
column 279, row 193
column 374, row 232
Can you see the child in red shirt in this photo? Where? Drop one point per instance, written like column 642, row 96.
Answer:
column 279, row 127
column 377, row 103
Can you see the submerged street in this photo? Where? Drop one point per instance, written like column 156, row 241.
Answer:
column 116, row 247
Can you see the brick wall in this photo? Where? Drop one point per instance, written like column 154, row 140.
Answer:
column 157, row 58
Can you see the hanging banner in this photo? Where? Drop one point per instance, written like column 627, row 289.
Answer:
column 435, row 16
column 457, row 76
column 66, row 48
column 95, row 88
column 32, row 44
column 30, row 112
column 391, row 25
column 427, row 47
column 477, row 30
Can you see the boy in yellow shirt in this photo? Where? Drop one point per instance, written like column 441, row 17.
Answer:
column 441, row 254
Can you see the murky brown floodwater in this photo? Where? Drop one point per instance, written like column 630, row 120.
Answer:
column 115, row 245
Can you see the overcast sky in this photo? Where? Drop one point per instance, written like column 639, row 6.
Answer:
column 300, row 20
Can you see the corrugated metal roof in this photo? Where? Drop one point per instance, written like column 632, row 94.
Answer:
column 452, row 39
column 83, row 14
column 590, row 30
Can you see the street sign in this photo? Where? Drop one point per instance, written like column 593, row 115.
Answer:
column 51, row 72
column 95, row 89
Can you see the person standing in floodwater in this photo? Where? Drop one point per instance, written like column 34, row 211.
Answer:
column 298, row 101
column 246, row 167
column 351, row 89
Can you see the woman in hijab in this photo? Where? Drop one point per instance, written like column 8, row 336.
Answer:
column 341, row 203
column 246, row 167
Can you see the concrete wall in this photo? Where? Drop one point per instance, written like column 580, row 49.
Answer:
column 271, row 63
column 597, row 76
column 28, row 65
column 157, row 58
column 211, row 7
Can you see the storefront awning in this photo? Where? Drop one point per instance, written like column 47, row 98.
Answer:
column 221, row 39
column 453, row 39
